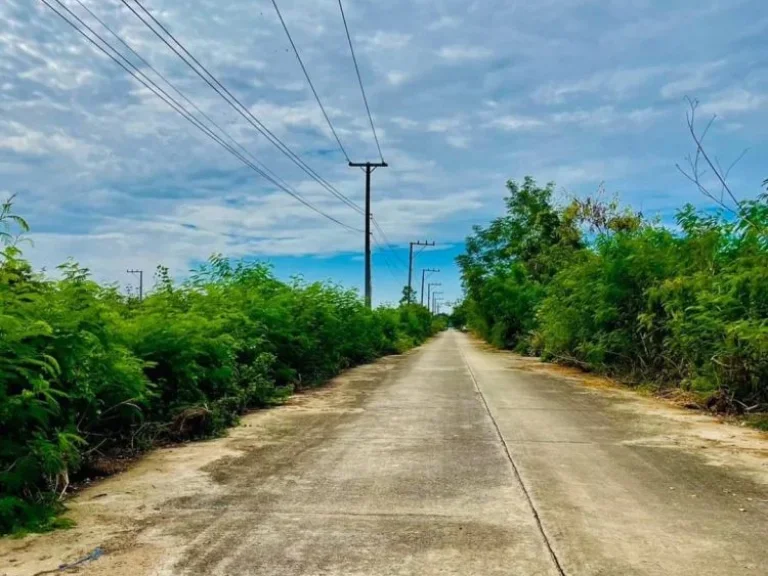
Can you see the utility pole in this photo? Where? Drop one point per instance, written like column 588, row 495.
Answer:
column 429, row 289
column 423, row 272
column 410, row 265
column 369, row 167
column 141, row 281
column 435, row 299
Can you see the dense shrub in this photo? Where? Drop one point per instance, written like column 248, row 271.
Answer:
column 605, row 288
column 85, row 371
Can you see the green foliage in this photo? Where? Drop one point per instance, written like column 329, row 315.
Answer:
column 507, row 264
column 440, row 322
column 605, row 288
column 459, row 315
column 85, row 371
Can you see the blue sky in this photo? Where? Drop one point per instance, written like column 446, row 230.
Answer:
column 464, row 94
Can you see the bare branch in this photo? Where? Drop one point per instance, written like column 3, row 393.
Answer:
column 698, row 140
column 738, row 159
column 705, row 191
column 696, row 174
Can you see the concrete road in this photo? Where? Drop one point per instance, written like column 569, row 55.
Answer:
column 452, row 461
column 459, row 464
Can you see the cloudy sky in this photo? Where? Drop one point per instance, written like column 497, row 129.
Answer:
column 464, row 96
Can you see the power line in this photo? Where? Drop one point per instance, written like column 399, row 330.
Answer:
column 387, row 246
column 170, row 101
column 232, row 100
column 360, row 81
column 388, row 243
column 387, row 261
column 309, row 81
column 183, row 96
column 333, row 130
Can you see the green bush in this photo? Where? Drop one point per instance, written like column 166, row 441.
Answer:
column 607, row 289
column 86, row 371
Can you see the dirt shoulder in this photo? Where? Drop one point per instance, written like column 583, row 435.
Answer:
column 116, row 514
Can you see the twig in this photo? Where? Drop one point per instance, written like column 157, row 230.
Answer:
column 12, row 466
column 571, row 359
column 95, row 555
column 695, row 174
column 129, row 402
column 95, row 448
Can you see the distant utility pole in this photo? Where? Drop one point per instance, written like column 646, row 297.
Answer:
column 435, row 300
column 141, row 281
column 369, row 167
column 410, row 265
column 423, row 272
column 429, row 289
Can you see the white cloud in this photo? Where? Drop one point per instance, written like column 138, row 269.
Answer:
column 617, row 83
column 396, row 77
column 737, row 100
column 602, row 116
column 458, row 141
column 589, row 171
column 512, row 123
column 384, row 40
column 444, row 22
column 446, row 124
column 607, row 116
column 304, row 114
column 404, row 123
column 411, row 214
column 697, row 77
column 461, row 53
column 58, row 76
column 22, row 139
column 644, row 115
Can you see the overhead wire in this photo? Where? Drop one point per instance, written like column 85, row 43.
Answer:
column 387, row 261
column 309, row 80
column 360, row 80
column 184, row 96
column 174, row 104
column 231, row 99
column 322, row 108
column 388, row 243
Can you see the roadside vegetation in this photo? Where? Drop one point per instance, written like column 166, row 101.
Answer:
column 589, row 283
column 88, row 374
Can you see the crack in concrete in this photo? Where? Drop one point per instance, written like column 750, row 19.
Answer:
column 539, row 524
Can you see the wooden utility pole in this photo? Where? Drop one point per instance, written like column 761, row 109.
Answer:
column 410, row 267
column 369, row 167
column 141, row 282
column 429, row 289
column 423, row 277
column 435, row 299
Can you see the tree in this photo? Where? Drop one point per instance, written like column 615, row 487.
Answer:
column 506, row 264
column 409, row 295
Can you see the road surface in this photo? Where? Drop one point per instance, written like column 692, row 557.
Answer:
column 450, row 461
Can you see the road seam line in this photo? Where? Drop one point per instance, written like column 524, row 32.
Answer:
column 515, row 470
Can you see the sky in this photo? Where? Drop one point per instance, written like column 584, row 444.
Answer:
column 464, row 95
